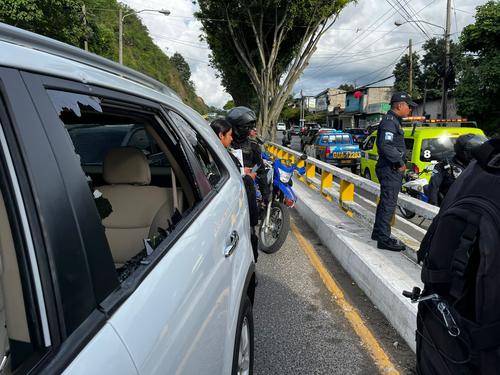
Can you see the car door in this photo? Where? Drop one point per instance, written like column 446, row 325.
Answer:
column 182, row 318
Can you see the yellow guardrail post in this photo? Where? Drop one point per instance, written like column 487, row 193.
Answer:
column 346, row 195
column 301, row 164
column 310, row 174
column 326, row 183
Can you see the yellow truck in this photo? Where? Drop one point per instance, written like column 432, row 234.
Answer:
column 424, row 145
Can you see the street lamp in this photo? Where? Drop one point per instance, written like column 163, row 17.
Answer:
column 122, row 16
column 399, row 23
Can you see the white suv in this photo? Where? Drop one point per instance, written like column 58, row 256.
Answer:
column 124, row 228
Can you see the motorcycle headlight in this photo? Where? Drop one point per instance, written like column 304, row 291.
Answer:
column 285, row 176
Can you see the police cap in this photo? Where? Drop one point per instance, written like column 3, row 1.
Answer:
column 402, row 96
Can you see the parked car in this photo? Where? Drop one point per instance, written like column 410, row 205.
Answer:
column 336, row 148
column 309, row 134
column 307, row 126
column 280, row 126
column 424, row 145
column 358, row 134
column 109, row 186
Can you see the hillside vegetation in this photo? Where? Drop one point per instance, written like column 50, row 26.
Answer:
column 63, row 20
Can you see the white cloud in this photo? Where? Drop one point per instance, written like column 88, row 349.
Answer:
column 362, row 46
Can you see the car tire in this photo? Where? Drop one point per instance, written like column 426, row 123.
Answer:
column 367, row 174
column 354, row 169
column 243, row 343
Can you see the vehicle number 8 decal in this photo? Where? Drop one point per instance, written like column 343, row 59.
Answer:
column 427, row 154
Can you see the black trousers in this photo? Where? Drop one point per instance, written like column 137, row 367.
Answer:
column 385, row 211
column 254, row 213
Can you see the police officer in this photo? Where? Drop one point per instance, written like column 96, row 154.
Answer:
column 390, row 167
column 446, row 171
column 243, row 120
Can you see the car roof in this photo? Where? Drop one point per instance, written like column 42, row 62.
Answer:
column 434, row 132
column 35, row 53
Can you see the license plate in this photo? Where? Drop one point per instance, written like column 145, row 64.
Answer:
column 346, row 155
column 346, row 161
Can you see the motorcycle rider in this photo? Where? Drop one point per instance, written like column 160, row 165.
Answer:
column 447, row 171
column 243, row 120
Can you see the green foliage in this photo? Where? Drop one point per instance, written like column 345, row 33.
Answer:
column 290, row 114
column 313, row 117
column 478, row 91
column 402, row 72
column 433, row 66
column 346, row 87
column 230, row 104
column 58, row 19
column 63, row 20
column 183, row 67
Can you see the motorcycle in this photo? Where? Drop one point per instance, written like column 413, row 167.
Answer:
column 415, row 187
column 275, row 224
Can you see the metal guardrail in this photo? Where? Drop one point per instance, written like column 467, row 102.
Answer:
column 343, row 192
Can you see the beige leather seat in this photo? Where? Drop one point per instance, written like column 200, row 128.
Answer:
column 138, row 209
column 13, row 320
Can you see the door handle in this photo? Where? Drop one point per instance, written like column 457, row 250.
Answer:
column 233, row 243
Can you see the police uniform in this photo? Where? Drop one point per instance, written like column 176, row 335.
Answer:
column 392, row 151
column 443, row 176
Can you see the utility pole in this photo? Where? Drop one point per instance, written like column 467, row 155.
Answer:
column 85, row 42
column 120, row 36
column 444, row 100
column 410, row 78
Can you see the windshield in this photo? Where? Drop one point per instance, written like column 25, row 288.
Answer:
column 437, row 148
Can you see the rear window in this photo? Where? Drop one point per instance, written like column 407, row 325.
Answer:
column 437, row 149
column 337, row 138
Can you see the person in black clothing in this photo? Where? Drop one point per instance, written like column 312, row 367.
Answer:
column 243, row 120
column 390, row 167
column 446, row 171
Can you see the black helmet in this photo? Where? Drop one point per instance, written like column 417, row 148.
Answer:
column 464, row 145
column 242, row 119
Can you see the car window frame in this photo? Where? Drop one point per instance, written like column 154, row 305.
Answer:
column 72, row 344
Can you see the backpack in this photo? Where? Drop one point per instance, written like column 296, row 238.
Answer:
column 458, row 319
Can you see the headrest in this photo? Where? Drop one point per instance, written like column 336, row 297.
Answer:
column 126, row 165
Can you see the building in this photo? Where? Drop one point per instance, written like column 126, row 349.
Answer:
column 432, row 108
column 330, row 102
column 364, row 107
column 309, row 103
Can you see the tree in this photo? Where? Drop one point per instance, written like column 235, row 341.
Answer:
column 346, row 87
column 478, row 90
column 402, row 75
column 270, row 43
column 433, row 62
column 229, row 105
column 183, row 67
column 58, row 19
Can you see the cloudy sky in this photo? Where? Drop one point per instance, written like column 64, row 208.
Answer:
column 362, row 46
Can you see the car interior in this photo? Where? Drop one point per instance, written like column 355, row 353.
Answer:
column 132, row 170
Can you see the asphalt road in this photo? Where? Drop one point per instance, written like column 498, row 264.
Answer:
column 300, row 329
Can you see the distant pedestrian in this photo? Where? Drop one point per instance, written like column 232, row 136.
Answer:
column 390, row 167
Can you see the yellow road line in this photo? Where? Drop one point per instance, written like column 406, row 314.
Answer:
column 378, row 354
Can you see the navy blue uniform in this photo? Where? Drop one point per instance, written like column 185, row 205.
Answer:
column 392, row 151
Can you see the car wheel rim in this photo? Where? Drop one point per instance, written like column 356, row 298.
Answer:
column 244, row 349
column 270, row 234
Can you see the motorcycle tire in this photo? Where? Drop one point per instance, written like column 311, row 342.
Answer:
column 270, row 248
column 407, row 214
